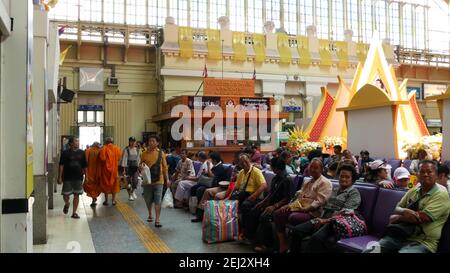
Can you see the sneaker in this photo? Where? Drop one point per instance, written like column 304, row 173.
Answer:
column 131, row 198
column 134, row 195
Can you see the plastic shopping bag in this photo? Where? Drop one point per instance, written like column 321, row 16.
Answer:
column 146, row 176
column 167, row 200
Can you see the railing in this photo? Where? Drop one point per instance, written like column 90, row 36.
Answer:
column 119, row 34
column 423, row 57
column 151, row 36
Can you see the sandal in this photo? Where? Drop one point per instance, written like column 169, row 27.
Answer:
column 75, row 216
column 158, row 224
column 66, row 209
column 150, row 219
column 114, row 203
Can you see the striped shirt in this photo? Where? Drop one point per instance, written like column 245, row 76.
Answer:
column 341, row 199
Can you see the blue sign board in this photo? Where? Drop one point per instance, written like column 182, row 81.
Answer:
column 412, row 89
column 289, row 108
column 90, row 107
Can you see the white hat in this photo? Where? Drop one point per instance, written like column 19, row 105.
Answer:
column 378, row 164
column 401, row 173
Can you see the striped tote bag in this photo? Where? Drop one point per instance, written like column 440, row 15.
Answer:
column 220, row 221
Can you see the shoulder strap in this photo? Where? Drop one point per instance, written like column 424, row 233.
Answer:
column 158, row 162
column 248, row 178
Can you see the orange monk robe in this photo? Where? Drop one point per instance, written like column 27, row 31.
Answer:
column 109, row 156
column 92, row 183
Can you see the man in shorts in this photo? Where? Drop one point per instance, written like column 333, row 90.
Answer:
column 72, row 167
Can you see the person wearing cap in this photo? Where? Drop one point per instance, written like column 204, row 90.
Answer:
column 379, row 174
column 401, row 178
column 130, row 163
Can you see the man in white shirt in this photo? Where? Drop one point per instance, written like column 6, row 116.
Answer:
column 182, row 192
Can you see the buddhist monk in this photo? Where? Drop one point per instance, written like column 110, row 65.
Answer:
column 92, row 182
column 109, row 177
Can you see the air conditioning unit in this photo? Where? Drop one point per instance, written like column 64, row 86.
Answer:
column 113, row 82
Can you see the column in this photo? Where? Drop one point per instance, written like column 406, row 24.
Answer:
column 40, row 119
column 15, row 157
column 313, row 96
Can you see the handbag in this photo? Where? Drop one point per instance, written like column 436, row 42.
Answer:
column 205, row 181
column 155, row 169
column 348, row 225
column 123, row 182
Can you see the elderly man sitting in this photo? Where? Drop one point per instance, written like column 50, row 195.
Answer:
column 417, row 222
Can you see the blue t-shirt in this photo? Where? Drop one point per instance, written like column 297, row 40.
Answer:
column 172, row 161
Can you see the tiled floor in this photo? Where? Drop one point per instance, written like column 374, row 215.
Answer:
column 104, row 229
column 64, row 233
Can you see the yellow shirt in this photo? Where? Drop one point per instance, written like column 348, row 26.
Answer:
column 255, row 180
column 150, row 158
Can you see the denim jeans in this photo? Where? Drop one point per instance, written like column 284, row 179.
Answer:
column 394, row 245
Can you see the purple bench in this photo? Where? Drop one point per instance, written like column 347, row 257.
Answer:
column 268, row 176
column 407, row 163
column 385, row 204
column 447, row 163
column 296, row 185
column 395, row 163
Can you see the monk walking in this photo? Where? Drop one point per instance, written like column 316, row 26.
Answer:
column 92, row 183
column 109, row 178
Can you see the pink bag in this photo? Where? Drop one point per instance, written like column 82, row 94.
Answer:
column 348, row 225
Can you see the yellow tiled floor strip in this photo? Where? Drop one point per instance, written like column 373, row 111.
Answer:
column 149, row 239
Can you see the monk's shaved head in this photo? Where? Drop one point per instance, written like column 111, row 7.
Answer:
column 109, row 140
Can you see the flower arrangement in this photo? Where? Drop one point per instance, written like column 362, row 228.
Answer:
column 431, row 144
column 296, row 138
column 298, row 142
column 308, row 146
column 330, row 141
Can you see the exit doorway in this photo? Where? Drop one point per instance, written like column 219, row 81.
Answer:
column 90, row 127
column 89, row 135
